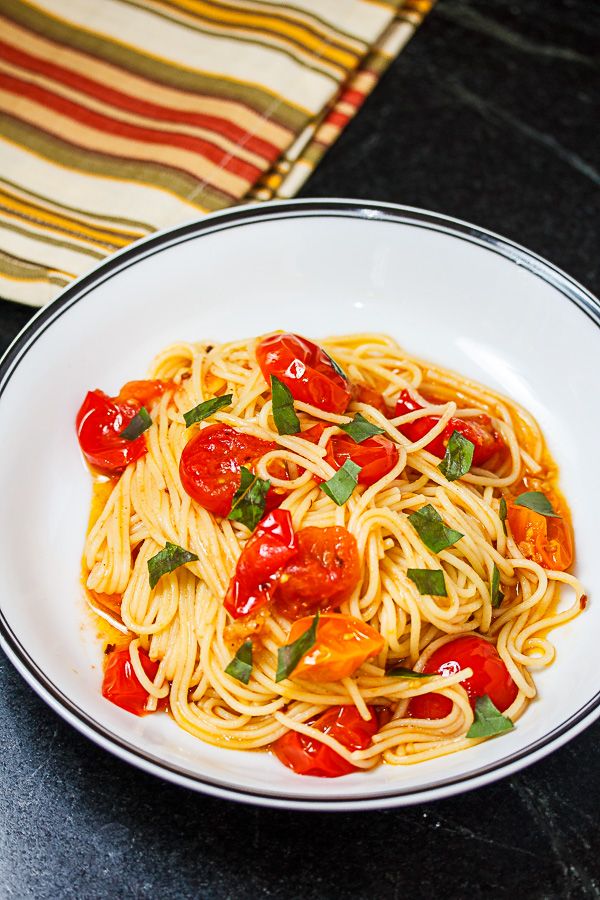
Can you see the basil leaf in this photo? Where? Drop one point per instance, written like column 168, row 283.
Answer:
column 240, row 666
column 168, row 560
column 428, row 524
column 538, row 502
column 284, row 414
column 495, row 593
column 488, row 720
column 502, row 513
column 248, row 504
column 429, row 581
column 360, row 429
column 289, row 656
column 336, row 367
column 458, row 458
column 140, row 423
column 206, row 409
column 340, row 486
column 401, row 672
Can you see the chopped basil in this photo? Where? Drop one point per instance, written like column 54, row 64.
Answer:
column 284, row 414
column 140, row 423
column 206, row 409
column 336, row 367
column 458, row 458
column 401, row 672
column 538, row 502
column 496, row 594
column 340, row 486
column 248, row 504
column 429, row 581
column 502, row 513
column 240, row 666
column 168, row 560
column 289, row 656
column 488, row 720
column 428, row 524
column 360, row 429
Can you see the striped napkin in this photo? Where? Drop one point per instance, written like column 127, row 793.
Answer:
column 119, row 117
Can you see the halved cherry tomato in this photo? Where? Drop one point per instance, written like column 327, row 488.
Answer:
column 322, row 575
column 342, row 645
column 490, row 676
column 101, row 419
column 377, row 455
column 547, row 541
column 272, row 545
column 210, row 465
column 121, row 685
column 478, row 430
column 362, row 393
column 307, row 756
column 305, row 369
column 143, row 393
column 99, row 424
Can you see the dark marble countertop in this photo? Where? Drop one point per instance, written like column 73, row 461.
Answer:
column 488, row 115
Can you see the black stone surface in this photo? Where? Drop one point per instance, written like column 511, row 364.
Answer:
column 491, row 115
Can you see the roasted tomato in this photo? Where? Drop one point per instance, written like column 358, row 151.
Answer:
column 547, row 541
column 323, row 573
column 307, row 756
column 210, row 465
column 263, row 559
column 305, row 369
column 362, row 393
column 377, row 455
column 99, row 423
column 143, row 393
column 342, row 645
column 313, row 434
column 490, row 676
column 121, row 685
column 101, row 420
column 478, row 430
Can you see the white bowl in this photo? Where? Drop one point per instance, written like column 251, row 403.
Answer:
column 448, row 291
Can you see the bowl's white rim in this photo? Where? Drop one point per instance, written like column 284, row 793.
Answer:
column 193, row 229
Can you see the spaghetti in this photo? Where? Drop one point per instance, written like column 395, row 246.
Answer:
column 413, row 639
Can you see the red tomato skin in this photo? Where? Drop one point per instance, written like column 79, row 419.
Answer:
column 313, row 434
column 377, row 455
column 490, row 676
column 121, row 685
column 306, row 756
column 323, row 573
column 210, row 464
column 261, row 563
column 305, row 369
column 99, row 423
column 478, row 430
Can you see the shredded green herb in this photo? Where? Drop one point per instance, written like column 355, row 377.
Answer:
column 206, row 409
column 289, row 656
column 168, row 560
column 248, row 504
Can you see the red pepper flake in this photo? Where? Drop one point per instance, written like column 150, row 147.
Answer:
column 583, row 601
